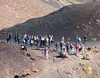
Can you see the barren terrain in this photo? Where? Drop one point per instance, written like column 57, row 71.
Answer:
column 49, row 17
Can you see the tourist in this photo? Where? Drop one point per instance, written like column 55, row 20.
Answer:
column 15, row 37
column 23, row 47
column 18, row 38
column 38, row 43
column 84, row 39
column 7, row 37
column 72, row 49
column 77, row 47
column 31, row 42
column 10, row 37
column 61, row 45
column 46, row 53
column 77, row 38
column 63, row 38
column 56, row 47
column 67, row 47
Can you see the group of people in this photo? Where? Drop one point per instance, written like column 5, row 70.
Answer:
column 47, row 42
column 70, row 48
column 39, row 41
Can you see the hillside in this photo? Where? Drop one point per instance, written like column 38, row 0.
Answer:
column 82, row 19
column 18, row 11
column 15, row 11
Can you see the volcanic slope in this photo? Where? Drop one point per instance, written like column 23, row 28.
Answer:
column 18, row 11
column 14, row 62
column 82, row 19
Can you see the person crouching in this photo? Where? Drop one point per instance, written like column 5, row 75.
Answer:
column 23, row 47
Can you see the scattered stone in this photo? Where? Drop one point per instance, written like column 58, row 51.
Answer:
column 87, row 57
column 64, row 54
column 81, row 63
column 88, row 48
column 35, row 70
column 89, row 70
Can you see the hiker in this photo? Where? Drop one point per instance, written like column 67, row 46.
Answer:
column 84, row 39
column 64, row 47
column 56, row 47
column 18, row 38
column 10, row 37
column 28, row 39
column 25, row 35
column 62, row 38
column 23, row 41
column 61, row 45
column 52, row 41
column 79, row 40
column 23, row 47
column 38, row 43
column 31, row 42
column 7, row 38
column 67, row 47
column 46, row 41
column 46, row 53
column 26, row 42
column 76, row 38
column 42, row 41
column 72, row 49
column 77, row 47
column 15, row 38
column 81, row 48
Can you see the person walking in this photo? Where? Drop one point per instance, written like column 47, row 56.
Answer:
column 46, row 53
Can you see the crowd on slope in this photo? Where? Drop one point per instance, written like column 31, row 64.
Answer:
column 47, row 42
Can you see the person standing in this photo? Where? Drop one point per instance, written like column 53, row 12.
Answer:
column 32, row 42
column 56, row 47
column 84, row 39
column 77, row 38
column 38, row 43
column 10, row 37
column 61, row 45
column 72, row 49
column 67, row 47
column 46, row 53
column 18, row 38
column 15, row 38
column 63, row 38
column 7, row 38
column 77, row 48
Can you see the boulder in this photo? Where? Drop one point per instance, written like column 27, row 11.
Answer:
column 64, row 54
column 87, row 57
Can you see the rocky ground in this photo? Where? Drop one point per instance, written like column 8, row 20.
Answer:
column 32, row 64
column 82, row 19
